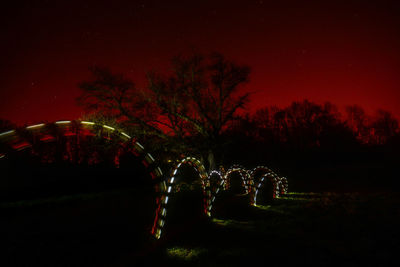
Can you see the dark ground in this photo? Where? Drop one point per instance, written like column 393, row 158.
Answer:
column 98, row 229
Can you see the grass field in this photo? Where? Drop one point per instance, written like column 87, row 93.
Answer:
column 319, row 229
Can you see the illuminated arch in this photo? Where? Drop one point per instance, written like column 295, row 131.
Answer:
column 244, row 174
column 205, row 182
column 276, row 184
column 14, row 140
column 258, row 172
column 283, row 185
column 259, row 169
column 255, row 178
column 219, row 186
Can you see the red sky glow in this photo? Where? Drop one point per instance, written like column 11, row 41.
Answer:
column 345, row 52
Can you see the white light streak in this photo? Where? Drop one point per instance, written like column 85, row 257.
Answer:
column 87, row 122
column 62, row 122
column 139, row 145
column 7, row 133
column 35, row 126
column 124, row 134
column 158, row 233
column 159, row 171
column 108, row 127
column 152, row 159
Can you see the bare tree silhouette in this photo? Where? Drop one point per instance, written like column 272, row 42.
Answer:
column 188, row 109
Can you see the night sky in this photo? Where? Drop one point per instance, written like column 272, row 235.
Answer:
column 346, row 52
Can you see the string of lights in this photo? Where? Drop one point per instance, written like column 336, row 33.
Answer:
column 15, row 140
column 252, row 180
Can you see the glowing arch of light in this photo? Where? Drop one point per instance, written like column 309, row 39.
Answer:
column 259, row 168
column 209, row 195
column 204, row 178
column 73, row 128
column 274, row 179
column 252, row 185
column 244, row 174
column 272, row 176
column 219, row 186
column 284, row 185
column 163, row 188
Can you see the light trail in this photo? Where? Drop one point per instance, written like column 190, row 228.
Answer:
column 251, row 181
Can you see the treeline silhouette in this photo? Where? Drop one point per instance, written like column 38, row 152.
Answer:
column 306, row 124
column 316, row 144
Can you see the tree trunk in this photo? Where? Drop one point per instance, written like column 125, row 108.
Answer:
column 211, row 161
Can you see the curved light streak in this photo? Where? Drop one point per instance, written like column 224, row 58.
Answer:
column 220, row 185
column 35, row 126
column 165, row 186
column 148, row 161
column 244, row 174
column 7, row 133
column 275, row 184
column 199, row 167
column 62, row 122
